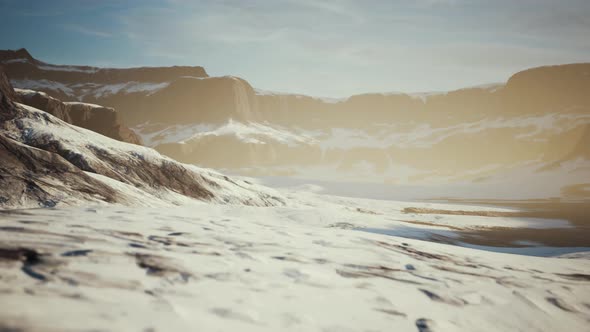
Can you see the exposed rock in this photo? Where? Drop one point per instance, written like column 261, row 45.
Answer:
column 185, row 99
column 33, row 177
column 20, row 64
column 103, row 120
column 46, row 161
column 7, row 94
column 20, row 55
column 44, row 102
column 534, row 124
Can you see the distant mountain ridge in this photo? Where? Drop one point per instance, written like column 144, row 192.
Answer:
column 140, row 93
column 535, row 122
column 20, row 63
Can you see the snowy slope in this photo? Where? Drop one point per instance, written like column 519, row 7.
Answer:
column 131, row 167
column 239, row 268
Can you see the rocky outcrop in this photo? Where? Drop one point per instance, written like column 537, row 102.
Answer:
column 138, row 175
column 533, row 121
column 205, row 100
column 32, row 177
column 187, row 100
column 44, row 102
column 16, row 56
column 103, row 120
column 7, row 94
column 46, row 161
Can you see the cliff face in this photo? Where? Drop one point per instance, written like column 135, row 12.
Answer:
column 190, row 100
column 7, row 94
column 535, row 120
column 20, row 64
column 103, row 120
column 46, row 103
column 564, row 88
column 187, row 94
column 45, row 161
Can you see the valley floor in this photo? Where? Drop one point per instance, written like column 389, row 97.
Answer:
column 301, row 267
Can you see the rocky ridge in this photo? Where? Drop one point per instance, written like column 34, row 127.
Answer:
column 47, row 162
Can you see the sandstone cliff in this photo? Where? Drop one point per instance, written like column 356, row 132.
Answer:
column 47, row 161
column 103, row 120
column 526, row 126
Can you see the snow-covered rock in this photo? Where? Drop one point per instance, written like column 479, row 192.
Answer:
column 103, row 120
column 131, row 174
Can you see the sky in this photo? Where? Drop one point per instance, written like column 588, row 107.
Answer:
column 332, row 48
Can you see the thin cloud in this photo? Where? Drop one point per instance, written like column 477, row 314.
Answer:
column 87, row 31
column 384, row 44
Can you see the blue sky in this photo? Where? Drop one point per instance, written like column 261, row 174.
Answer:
column 327, row 48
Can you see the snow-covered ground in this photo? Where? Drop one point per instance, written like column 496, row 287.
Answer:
column 300, row 267
column 251, row 258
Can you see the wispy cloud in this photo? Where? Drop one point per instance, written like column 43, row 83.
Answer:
column 87, row 31
column 334, row 47
column 462, row 41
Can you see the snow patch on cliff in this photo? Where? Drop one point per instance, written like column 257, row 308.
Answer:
column 250, row 133
column 43, row 85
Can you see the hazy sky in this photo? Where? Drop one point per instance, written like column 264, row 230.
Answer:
column 328, row 48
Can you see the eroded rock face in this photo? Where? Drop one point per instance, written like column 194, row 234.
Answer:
column 46, row 161
column 44, row 102
column 7, row 94
column 33, row 177
column 103, row 120
column 479, row 134
column 139, row 175
column 186, row 100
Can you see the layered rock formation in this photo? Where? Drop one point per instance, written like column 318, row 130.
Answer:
column 46, row 161
column 100, row 119
column 33, row 177
column 21, row 64
column 534, row 123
